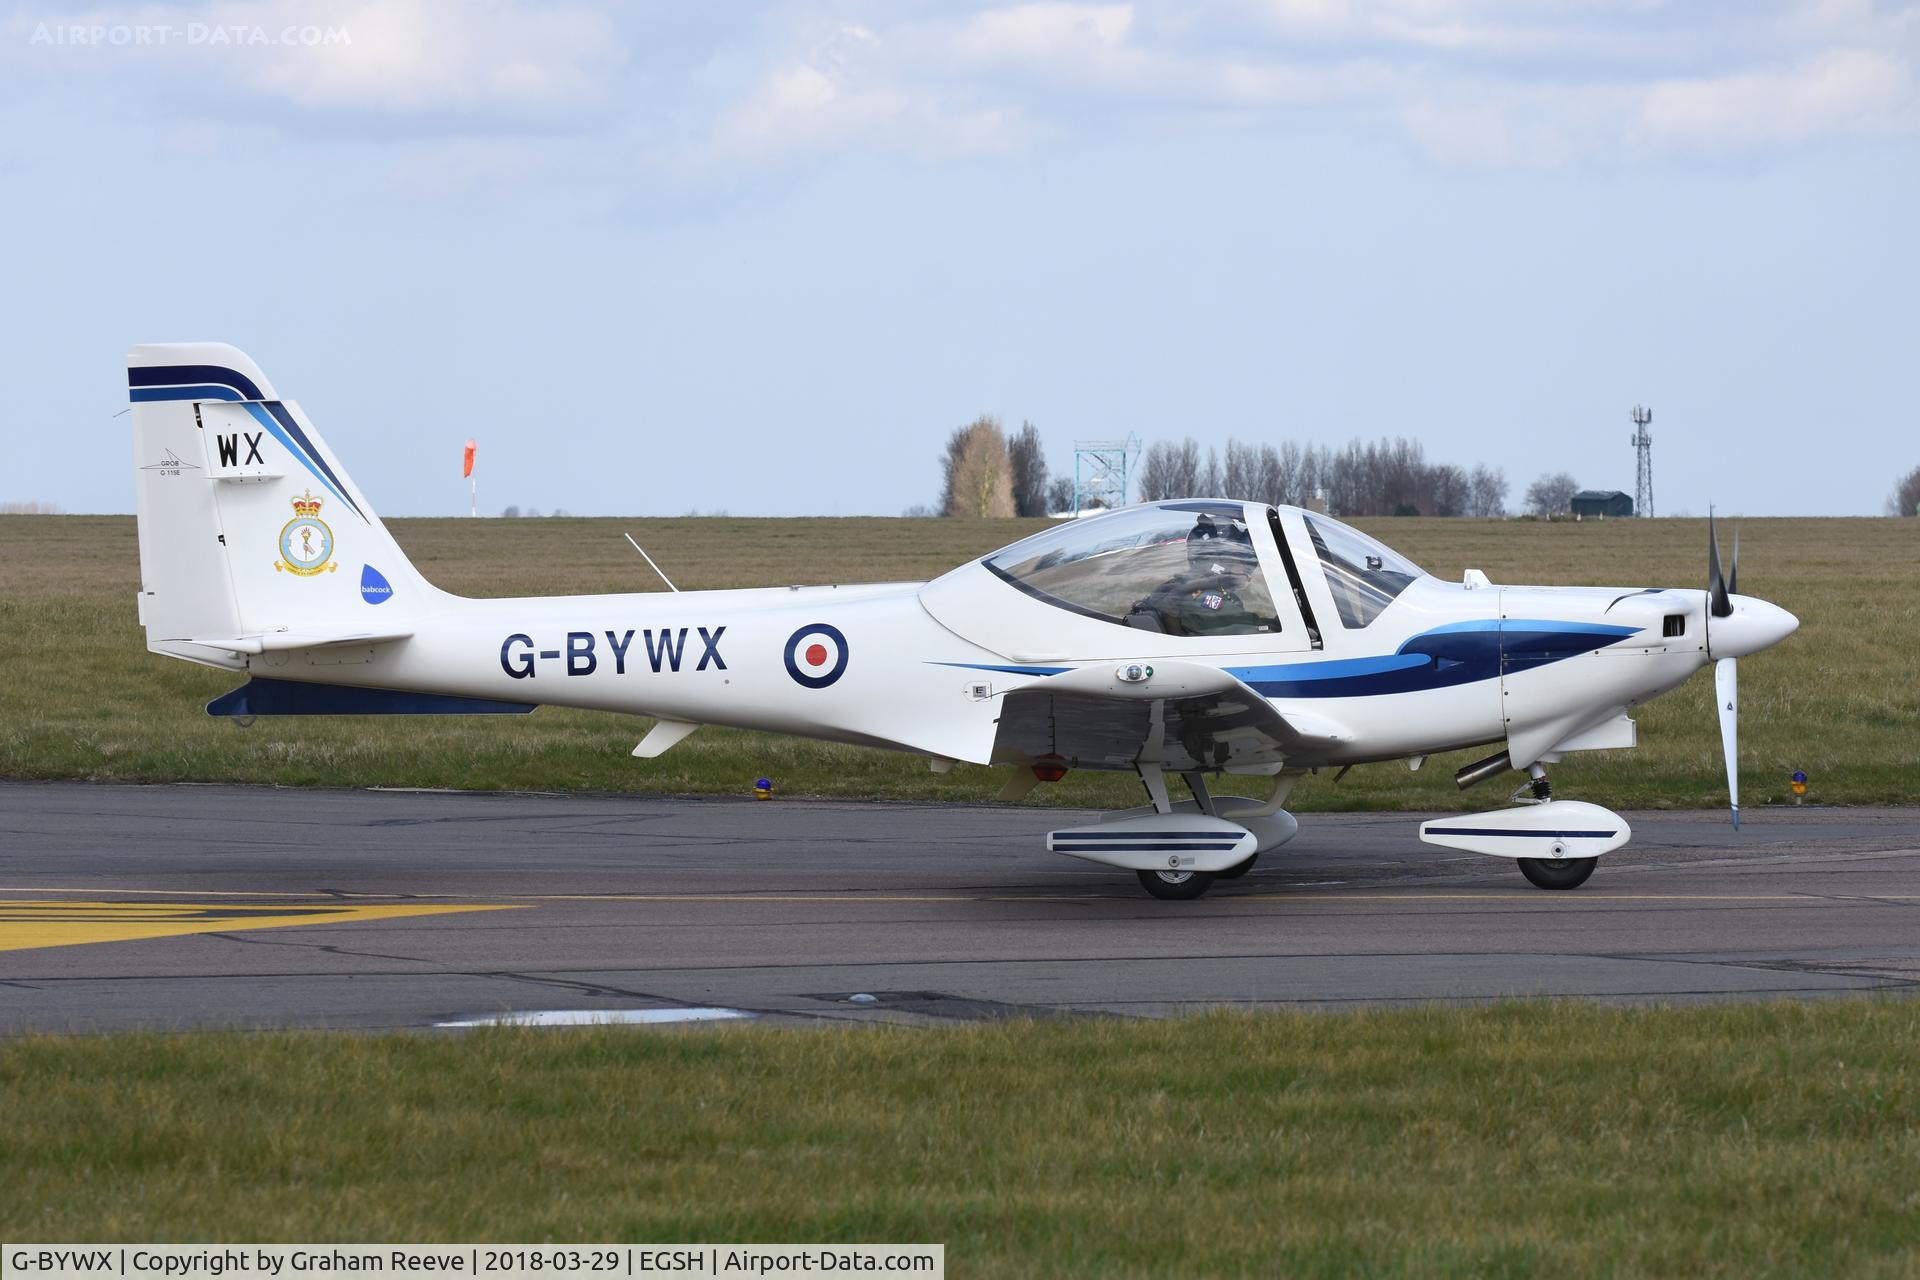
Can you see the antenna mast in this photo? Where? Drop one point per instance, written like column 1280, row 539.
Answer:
column 1643, row 446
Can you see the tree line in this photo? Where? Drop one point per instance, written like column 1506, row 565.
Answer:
column 989, row 472
column 1371, row 478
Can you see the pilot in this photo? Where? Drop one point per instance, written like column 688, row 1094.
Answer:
column 1205, row 600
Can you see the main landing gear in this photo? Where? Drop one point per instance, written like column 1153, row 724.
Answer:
column 1177, row 850
column 1179, row 886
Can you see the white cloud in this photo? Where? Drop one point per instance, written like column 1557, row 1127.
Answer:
column 502, row 59
column 1042, row 31
column 1834, row 94
column 1847, row 91
column 1473, row 82
column 844, row 94
column 1454, row 26
column 416, row 55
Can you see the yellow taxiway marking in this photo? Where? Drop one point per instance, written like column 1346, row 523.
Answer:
column 28, row 925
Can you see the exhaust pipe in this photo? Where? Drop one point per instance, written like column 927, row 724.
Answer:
column 1481, row 770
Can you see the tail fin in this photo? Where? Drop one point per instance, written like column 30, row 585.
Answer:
column 252, row 536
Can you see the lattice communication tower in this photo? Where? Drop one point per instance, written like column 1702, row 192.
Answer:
column 1643, row 446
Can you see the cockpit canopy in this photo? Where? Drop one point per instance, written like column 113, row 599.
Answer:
column 1195, row 569
column 1364, row 574
column 1177, row 568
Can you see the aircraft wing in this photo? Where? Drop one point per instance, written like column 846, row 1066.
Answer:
column 1185, row 716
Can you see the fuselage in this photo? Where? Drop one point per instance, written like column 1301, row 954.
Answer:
column 1331, row 628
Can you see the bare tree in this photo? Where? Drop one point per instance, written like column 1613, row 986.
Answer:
column 1029, row 464
column 1240, row 472
column 1169, row 470
column 1905, row 500
column 1156, row 472
column 1186, row 475
column 1206, row 480
column 1487, row 492
column 1309, row 474
column 1552, row 495
column 1060, row 495
column 979, row 477
column 1270, row 477
column 1449, row 491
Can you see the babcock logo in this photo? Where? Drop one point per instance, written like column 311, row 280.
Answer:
column 374, row 587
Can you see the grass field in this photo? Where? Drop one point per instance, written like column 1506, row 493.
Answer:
column 1535, row 1139
column 81, row 698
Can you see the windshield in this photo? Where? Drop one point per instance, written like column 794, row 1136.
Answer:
column 1364, row 575
column 1180, row 568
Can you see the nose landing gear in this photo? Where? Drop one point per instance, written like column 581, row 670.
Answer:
column 1568, row 873
column 1176, row 886
column 1557, row 843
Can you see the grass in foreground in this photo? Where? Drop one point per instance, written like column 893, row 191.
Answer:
column 81, row 698
column 1528, row 1139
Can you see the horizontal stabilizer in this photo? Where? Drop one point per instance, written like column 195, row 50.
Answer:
column 286, row 641
column 259, row 697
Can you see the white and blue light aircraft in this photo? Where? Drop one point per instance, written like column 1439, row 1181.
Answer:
column 1199, row 639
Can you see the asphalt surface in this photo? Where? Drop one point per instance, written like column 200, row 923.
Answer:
column 292, row 908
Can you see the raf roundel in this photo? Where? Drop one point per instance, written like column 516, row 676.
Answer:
column 816, row 655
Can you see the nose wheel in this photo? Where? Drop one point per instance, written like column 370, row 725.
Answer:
column 1561, row 873
column 1176, row 886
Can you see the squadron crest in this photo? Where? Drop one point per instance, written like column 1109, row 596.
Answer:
column 306, row 544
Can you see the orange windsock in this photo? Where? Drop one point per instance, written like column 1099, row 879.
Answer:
column 466, row 468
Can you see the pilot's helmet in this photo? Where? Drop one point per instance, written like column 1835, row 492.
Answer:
column 1222, row 548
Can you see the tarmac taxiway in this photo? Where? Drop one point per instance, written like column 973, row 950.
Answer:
column 195, row 906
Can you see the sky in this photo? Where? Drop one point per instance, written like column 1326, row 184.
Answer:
column 763, row 258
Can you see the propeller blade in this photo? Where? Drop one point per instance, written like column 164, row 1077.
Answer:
column 1726, row 692
column 1733, row 566
column 1718, row 603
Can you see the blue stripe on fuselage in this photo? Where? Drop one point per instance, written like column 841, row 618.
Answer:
column 1010, row 670
column 1453, row 654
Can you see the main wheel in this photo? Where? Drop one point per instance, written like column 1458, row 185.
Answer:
column 1237, row 870
column 1564, row 873
column 1175, row 886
